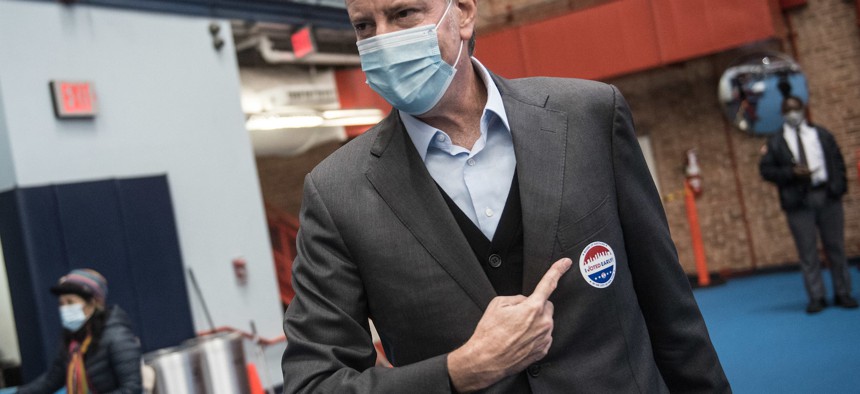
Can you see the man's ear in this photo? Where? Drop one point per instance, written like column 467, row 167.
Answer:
column 468, row 16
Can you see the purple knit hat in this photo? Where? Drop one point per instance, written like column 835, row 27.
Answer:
column 84, row 282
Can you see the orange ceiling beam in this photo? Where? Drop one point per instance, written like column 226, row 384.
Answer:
column 624, row 36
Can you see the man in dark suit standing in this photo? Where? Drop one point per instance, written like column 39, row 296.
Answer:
column 473, row 192
column 807, row 167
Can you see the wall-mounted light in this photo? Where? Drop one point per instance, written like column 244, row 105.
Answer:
column 311, row 118
column 352, row 117
column 283, row 121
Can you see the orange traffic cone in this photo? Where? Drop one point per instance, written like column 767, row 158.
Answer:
column 254, row 380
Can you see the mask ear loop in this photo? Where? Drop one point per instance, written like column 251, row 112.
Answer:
column 447, row 8
column 459, row 51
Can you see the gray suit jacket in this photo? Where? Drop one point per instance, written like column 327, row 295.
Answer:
column 378, row 241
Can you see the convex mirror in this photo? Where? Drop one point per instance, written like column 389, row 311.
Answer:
column 752, row 89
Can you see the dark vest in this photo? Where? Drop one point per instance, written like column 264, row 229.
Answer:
column 501, row 258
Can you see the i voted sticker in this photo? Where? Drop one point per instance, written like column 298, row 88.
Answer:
column 597, row 264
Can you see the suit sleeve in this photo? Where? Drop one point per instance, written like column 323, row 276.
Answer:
column 329, row 347
column 770, row 167
column 680, row 341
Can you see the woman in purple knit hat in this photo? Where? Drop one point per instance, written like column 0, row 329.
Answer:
column 99, row 353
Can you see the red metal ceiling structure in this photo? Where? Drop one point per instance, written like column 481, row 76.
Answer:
column 625, row 36
column 607, row 40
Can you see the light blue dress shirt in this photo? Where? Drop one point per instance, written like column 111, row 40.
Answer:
column 477, row 180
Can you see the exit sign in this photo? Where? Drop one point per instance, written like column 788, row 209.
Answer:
column 73, row 99
column 303, row 42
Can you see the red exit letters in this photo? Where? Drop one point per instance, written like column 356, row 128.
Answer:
column 73, row 99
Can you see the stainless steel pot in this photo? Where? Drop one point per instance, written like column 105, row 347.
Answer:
column 221, row 359
column 175, row 371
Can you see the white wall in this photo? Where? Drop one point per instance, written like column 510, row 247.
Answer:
column 648, row 152
column 7, row 168
column 9, row 350
column 169, row 103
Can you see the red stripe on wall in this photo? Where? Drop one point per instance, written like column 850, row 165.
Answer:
column 690, row 28
column 507, row 42
column 612, row 39
column 625, row 36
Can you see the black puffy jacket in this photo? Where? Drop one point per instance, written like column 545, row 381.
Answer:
column 113, row 367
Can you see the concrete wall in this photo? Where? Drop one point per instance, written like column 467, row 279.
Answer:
column 828, row 48
column 169, row 103
column 282, row 178
column 676, row 106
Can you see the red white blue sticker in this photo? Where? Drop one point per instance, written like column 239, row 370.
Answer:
column 597, row 264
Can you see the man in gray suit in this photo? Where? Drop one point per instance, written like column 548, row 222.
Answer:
column 474, row 191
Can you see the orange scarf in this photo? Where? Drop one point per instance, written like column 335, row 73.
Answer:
column 76, row 374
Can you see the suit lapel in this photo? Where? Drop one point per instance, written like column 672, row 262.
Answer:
column 539, row 136
column 402, row 180
column 783, row 145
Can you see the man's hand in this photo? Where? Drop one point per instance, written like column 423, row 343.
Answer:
column 513, row 333
column 802, row 172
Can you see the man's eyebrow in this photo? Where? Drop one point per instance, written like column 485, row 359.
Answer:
column 397, row 5
column 355, row 14
column 388, row 10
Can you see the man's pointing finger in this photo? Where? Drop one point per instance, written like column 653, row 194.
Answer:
column 550, row 280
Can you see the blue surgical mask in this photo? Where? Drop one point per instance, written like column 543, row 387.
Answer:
column 406, row 68
column 73, row 316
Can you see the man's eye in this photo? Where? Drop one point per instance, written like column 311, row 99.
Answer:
column 404, row 13
column 360, row 26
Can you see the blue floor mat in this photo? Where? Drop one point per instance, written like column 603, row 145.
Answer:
column 768, row 344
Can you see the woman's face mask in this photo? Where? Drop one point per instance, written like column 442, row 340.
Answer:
column 73, row 316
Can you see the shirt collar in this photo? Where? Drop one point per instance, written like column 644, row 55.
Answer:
column 494, row 97
column 422, row 134
column 788, row 130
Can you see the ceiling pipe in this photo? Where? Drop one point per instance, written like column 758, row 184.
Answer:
column 331, row 15
column 271, row 55
column 248, row 43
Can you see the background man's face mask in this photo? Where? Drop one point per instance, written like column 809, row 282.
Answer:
column 794, row 117
column 406, row 68
column 73, row 316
